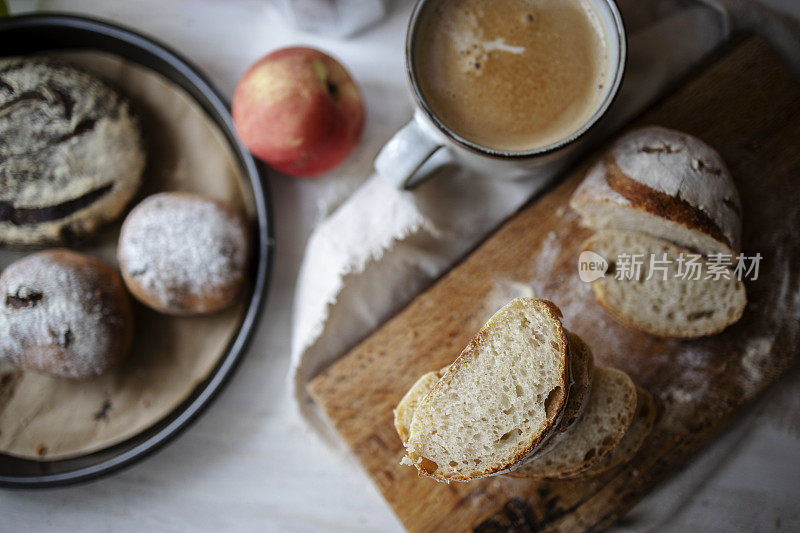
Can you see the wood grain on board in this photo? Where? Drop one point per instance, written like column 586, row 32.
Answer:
column 746, row 105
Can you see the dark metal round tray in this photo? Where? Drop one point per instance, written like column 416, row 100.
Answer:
column 49, row 32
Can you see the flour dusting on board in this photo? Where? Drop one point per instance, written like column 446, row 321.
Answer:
column 548, row 253
column 692, row 383
column 503, row 291
column 784, row 307
column 756, row 356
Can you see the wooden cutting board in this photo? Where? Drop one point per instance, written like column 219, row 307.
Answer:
column 747, row 105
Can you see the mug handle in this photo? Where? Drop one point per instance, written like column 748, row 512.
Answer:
column 404, row 154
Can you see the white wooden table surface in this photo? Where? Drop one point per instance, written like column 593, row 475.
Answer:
column 247, row 465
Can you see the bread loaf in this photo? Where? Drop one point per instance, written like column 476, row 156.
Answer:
column 581, row 369
column 184, row 254
column 71, row 152
column 604, row 422
column 667, row 184
column 498, row 401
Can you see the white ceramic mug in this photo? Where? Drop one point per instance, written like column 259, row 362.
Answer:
column 400, row 160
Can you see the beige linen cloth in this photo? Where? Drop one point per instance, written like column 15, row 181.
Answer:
column 376, row 250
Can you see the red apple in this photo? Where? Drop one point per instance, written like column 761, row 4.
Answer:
column 298, row 110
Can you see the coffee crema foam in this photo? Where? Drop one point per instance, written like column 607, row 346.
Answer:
column 512, row 75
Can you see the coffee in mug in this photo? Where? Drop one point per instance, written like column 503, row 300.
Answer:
column 512, row 75
column 505, row 88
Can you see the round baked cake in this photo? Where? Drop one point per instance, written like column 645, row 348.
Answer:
column 71, row 152
column 64, row 313
column 184, row 254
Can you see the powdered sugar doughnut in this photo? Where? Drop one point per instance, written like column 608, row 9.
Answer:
column 183, row 254
column 64, row 313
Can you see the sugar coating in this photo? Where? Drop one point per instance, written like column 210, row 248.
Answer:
column 180, row 246
column 62, row 315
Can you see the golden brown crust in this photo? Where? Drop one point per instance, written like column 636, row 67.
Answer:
column 661, row 204
column 553, row 308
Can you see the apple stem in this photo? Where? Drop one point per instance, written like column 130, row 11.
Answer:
column 333, row 89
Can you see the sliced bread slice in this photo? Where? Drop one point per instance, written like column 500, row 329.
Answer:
column 671, row 303
column 581, row 366
column 609, row 412
column 410, row 401
column 499, row 400
column 667, row 184
column 633, row 439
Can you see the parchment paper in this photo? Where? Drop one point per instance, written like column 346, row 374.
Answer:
column 47, row 418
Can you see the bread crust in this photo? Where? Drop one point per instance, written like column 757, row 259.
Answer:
column 705, row 198
column 535, row 441
column 581, row 368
